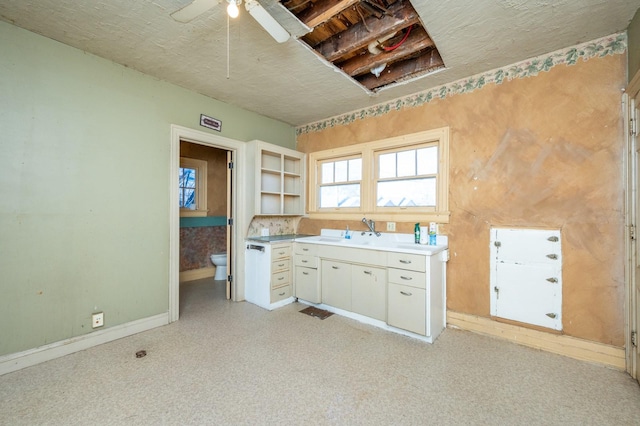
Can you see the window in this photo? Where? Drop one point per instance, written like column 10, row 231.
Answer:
column 192, row 187
column 340, row 183
column 404, row 177
column 407, row 177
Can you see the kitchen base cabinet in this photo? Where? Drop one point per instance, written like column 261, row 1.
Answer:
column 407, row 308
column 336, row 284
column 306, row 280
column 369, row 291
column 268, row 274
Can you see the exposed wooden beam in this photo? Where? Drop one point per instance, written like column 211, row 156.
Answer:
column 401, row 14
column 323, row 10
column 418, row 40
column 403, row 69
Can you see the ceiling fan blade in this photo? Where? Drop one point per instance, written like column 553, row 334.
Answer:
column 193, row 10
column 267, row 21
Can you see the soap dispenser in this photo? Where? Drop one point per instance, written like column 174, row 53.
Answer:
column 347, row 235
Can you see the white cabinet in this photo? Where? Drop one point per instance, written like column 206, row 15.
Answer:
column 369, row 291
column 336, row 284
column 268, row 274
column 306, row 279
column 526, row 276
column 407, row 303
column 277, row 184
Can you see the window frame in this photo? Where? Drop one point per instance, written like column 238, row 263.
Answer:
column 369, row 152
column 347, row 182
column 200, row 166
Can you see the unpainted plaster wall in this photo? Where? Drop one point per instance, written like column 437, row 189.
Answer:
column 538, row 152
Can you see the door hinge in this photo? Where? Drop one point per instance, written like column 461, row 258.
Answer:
column 230, row 221
column 633, row 126
column 230, row 278
column 632, row 232
column 634, row 338
column 231, row 164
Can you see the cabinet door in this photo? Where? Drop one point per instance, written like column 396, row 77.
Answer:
column 336, row 284
column 307, row 284
column 407, row 308
column 369, row 291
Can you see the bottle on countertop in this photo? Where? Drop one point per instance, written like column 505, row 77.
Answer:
column 433, row 229
column 416, row 231
column 347, row 234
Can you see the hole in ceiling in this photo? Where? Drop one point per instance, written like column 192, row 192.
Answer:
column 378, row 43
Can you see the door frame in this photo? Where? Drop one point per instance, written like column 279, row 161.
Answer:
column 179, row 133
column 630, row 98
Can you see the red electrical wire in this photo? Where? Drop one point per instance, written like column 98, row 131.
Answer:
column 395, row 46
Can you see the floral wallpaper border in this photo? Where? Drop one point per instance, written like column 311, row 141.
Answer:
column 609, row 45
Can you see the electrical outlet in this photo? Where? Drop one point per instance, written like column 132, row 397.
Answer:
column 391, row 226
column 265, row 232
column 97, row 320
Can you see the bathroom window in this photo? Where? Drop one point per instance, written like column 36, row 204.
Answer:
column 192, row 187
column 404, row 177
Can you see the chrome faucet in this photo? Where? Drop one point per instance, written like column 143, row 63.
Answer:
column 371, row 225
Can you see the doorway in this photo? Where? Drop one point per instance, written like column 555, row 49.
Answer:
column 235, row 231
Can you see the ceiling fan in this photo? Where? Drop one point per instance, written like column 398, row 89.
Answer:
column 255, row 9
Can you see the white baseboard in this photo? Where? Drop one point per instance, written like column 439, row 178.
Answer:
column 20, row 360
column 197, row 274
column 585, row 350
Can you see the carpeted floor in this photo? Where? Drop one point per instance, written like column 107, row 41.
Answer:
column 229, row 363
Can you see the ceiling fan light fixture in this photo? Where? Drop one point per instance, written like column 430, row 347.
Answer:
column 232, row 8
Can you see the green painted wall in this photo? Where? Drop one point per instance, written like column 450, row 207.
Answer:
column 84, row 203
column 633, row 34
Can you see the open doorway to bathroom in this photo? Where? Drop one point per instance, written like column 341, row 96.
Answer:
column 205, row 201
column 235, row 204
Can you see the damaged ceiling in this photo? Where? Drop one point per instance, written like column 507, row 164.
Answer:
column 324, row 68
column 375, row 42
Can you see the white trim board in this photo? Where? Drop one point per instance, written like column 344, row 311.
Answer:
column 585, row 350
column 17, row 361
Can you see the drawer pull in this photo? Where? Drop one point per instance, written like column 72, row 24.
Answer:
column 335, row 267
column 406, row 262
column 552, row 280
column 552, row 256
column 367, row 272
column 305, row 249
column 282, row 294
column 280, row 278
column 405, row 293
column 281, row 265
column 304, row 261
column 281, row 252
column 406, row 278
column 305, row 273
column 553, row 239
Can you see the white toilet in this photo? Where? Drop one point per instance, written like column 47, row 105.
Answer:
column 220, row 260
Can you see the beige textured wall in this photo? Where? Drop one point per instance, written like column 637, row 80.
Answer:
column 538, row 152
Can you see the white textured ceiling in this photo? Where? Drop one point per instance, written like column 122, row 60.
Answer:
column 287, row 81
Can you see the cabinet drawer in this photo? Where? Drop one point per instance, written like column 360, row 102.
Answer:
column 280, row 279
column 307, row 249
column 410, row 278
column 306, row 261
column 413, row 262
column 407, row 308
column 280, row 265
column 278, row 252
column 278, row 294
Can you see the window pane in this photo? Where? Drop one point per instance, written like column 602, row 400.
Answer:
column 187, row 178
column 355, row 169
column 428, row 161
column 407, row 163
column 341, row 168
column 327, row 173
column 387, row 165
column 407, row 193
column 340, row 196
